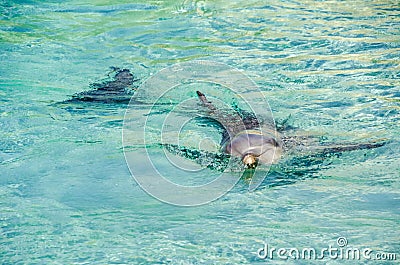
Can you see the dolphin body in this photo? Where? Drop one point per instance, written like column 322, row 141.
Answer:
column 117, row 88
column 247, row 140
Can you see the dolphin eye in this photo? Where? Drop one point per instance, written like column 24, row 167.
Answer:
column 273, row 142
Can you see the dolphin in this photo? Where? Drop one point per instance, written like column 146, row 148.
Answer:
column 246, row 139
column 117, row 88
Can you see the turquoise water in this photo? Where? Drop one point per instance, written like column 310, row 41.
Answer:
column 66, row 194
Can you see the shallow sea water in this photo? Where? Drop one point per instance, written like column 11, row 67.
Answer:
column 66, row 193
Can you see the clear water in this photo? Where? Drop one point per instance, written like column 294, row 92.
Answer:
column 66, row 194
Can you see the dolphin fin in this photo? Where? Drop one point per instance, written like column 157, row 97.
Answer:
column 214, row 161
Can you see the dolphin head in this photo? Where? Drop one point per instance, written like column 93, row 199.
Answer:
column 254, row 148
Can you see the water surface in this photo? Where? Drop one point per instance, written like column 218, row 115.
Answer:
column 66, row 194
